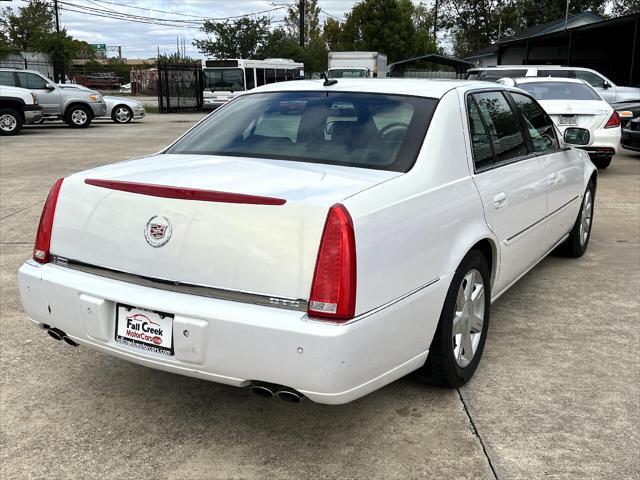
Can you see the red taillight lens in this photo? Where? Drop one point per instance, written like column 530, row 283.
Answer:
column 614, row 121
column 43, row 236
column 333, row 292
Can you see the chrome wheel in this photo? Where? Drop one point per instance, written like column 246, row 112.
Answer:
column 8, row 123
column 79, row 117
column 468, row 318
column 585, row 219
column 122, row 115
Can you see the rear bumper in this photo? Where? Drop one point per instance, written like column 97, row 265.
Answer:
column 32, row 113
column 630, row 139
column 236, row 343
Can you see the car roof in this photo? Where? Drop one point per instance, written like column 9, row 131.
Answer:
column 432, row 88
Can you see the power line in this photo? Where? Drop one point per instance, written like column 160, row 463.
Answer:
column 332, row 16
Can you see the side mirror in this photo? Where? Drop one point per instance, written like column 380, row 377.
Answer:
column 49, row 86
column 577, row 136
column 606, row 85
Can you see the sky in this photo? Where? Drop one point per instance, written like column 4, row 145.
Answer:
column 142, row 40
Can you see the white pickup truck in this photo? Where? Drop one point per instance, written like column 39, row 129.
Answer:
column 18, row 106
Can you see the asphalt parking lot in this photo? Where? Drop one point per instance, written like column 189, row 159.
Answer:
column 557, row 394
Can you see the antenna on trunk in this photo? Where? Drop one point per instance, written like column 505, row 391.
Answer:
column 327, row 82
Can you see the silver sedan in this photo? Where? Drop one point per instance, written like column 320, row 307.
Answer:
column 120, row 109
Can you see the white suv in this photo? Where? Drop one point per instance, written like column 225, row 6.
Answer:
column 605, row 87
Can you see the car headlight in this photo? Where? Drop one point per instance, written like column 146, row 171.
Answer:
column 35, row 98
column 95, row 98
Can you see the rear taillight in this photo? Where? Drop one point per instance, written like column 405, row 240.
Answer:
column 333, row 291
column 43, row 236
column 614, row 121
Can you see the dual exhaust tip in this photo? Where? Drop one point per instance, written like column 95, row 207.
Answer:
column 58, row 334
column 270, row 390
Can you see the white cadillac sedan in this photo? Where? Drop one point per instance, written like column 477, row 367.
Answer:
column 314, row 239
column 571, row 102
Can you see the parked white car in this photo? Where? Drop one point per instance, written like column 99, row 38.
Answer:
column 18, row 107
column 574, row 103
column 314, row 238
column 119, row 109
column 605, row 87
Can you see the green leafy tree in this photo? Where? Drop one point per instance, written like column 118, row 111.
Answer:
column 244, row 38
column 332, row 34
column 385, row 26
column 529, row 13
column 625, row 7
column 424, row 41
column 29, row 26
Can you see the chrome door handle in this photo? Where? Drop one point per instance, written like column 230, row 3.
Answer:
column 553, row 178
column 499, row 200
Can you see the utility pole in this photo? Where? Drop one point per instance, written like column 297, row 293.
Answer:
column 60, row 61
column 301, row 23
column 435, row 24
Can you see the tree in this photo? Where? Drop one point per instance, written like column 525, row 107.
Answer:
column 30, row 26
column 624, row 7
column 312, row 29
column 243, row 38
column 423, row 24
column 332, row 34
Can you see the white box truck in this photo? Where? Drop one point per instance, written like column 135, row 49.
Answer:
column 357, row 65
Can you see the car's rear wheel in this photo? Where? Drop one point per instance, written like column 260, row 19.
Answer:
column 602, row 162
column 459, row 340
column 576, row 244
column 78, row 116
column 121, row 114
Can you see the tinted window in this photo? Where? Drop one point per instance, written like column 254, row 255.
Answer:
column 480, row 141
column 7, row 79
column 31, row 81
column 249, row 76
column 280, row 75
column 537, row 122
column 502, row 126
column 271, row 75
column 555, row 73
column 347, row 73
column 382, row 132
column 231, row 79
column 498, row 73
column 559, row 91
column 260, row 76
column 591, row 78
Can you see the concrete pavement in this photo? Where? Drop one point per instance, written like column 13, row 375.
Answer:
column 557, row 394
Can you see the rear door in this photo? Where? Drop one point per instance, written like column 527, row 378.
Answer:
column 511, row 183
column 561, row 168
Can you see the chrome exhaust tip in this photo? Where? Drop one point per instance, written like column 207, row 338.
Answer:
column 261, row 390
column 53, row 333
column 289, row 395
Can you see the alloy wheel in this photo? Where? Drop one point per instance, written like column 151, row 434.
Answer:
column 8, row 123
column 122, row 115
column 468, row 318
column 79, row 117
column 585, row 220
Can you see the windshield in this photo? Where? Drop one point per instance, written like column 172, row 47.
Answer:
column 376, row 131
column 347, row 73
column 559, row 91
column 231, row 79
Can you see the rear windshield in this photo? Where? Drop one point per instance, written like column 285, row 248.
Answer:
column 559, row 91
column 347, row 73
column 366, row 130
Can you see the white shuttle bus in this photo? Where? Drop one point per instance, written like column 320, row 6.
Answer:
column 223, row 79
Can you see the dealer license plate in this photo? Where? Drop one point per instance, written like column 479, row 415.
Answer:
column 568, row 120
column 144, row 329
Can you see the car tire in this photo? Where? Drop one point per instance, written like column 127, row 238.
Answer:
column 602, row 162
column 464, row 322
column 578, row 241
column 78, row 116
column 10, row 121
column 121, row 114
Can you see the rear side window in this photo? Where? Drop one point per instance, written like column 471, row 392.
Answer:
column 502, row 126
column 31, row 81
column 377, row 131
column 7, row 79
column 496, row 74
column 537, row 122
column 556, row 73
column 480, row 141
